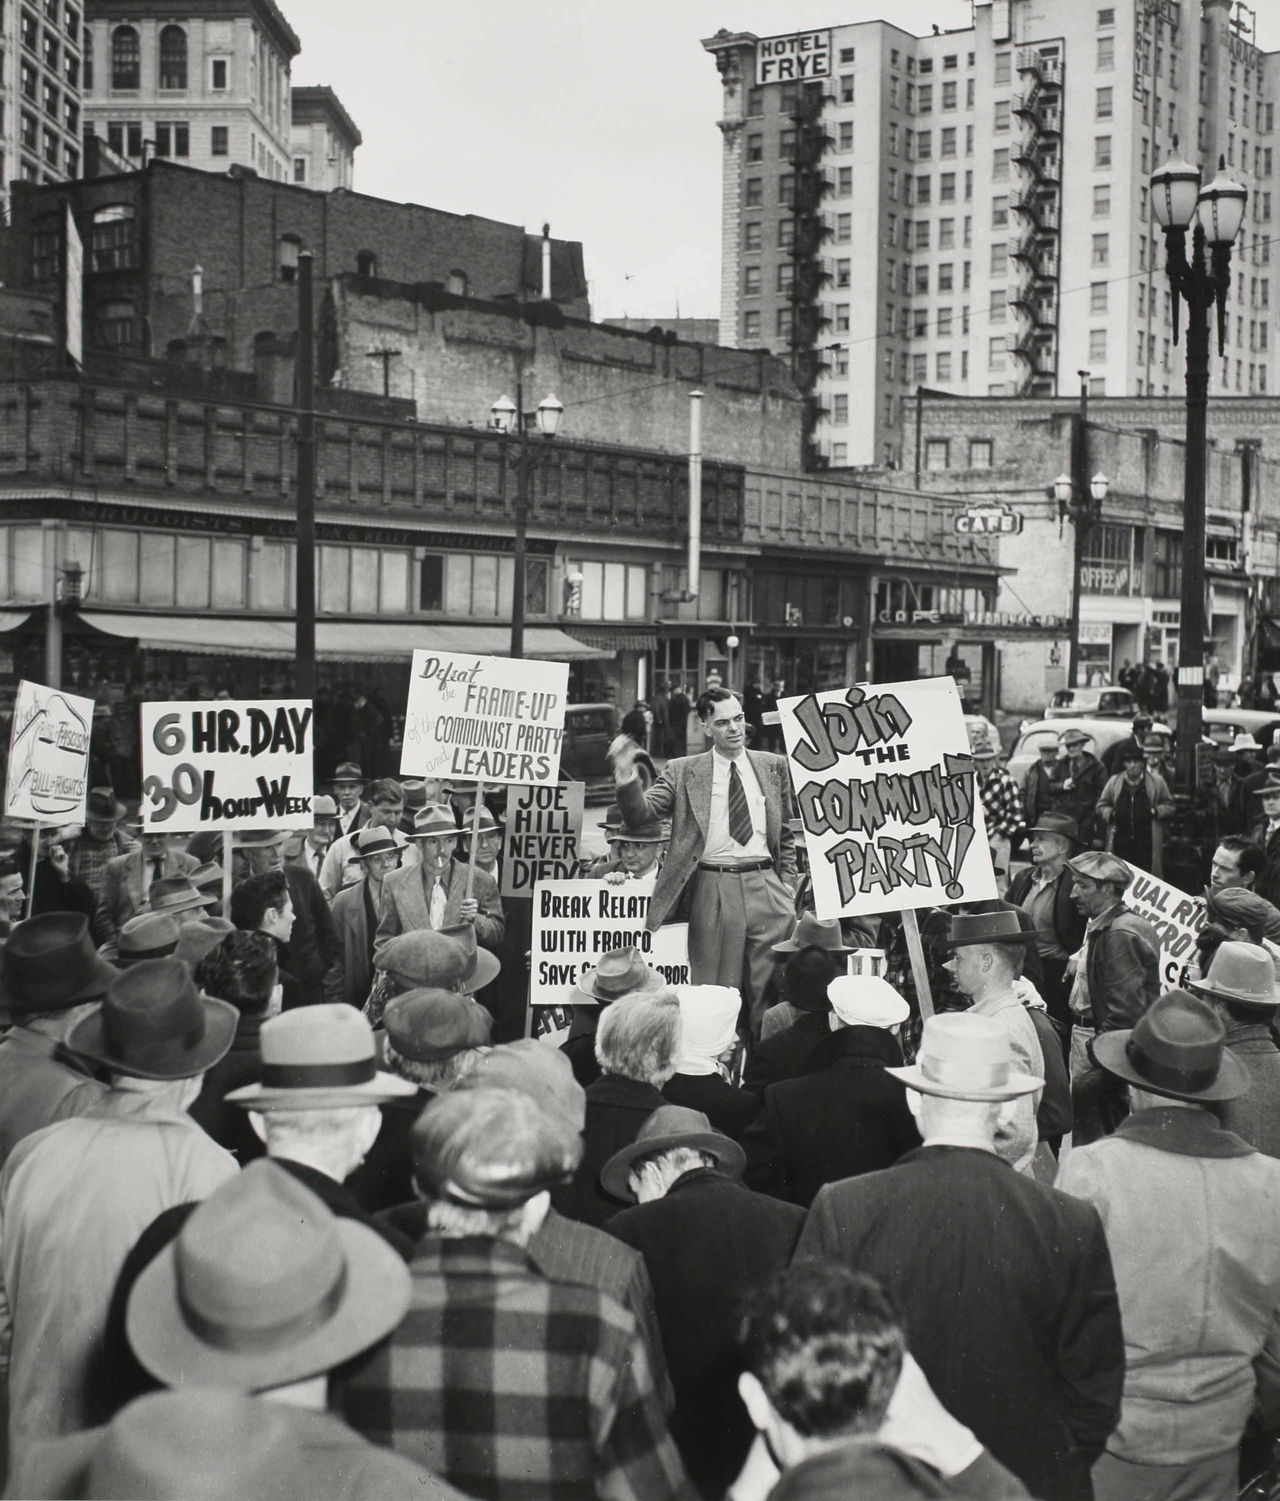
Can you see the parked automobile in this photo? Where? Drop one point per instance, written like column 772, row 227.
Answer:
column 1260, row 723
column 1103, row 733
column 1092, row 703
column 588, row 731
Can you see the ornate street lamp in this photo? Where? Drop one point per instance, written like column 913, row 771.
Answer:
column 505, row 416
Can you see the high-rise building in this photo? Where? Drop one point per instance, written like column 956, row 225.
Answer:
column 40, row 70
column 970, row 212
column 206, row 82
column 323, row 139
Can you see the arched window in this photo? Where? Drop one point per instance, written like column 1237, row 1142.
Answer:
column 458, row 283
column 126, row 59
column 173, row 57
column 290, row 245
column 366, row 263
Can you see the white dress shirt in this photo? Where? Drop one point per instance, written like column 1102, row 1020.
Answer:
column 721, row 847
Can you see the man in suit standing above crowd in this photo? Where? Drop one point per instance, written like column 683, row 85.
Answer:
column 731, row 857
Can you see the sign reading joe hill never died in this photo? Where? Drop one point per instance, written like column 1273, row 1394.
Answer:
column 888, row 798
column 490, row 719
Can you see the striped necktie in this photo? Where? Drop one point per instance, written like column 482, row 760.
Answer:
column 740, row 825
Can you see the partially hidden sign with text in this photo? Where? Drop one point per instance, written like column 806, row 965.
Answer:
column 1177, row 919
column 575, row 922
column 228, row 764
column 541, row 835
column 491, row 719
column 47, row 781
column 887, row 797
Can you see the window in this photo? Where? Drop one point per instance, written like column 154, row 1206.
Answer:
column 839, row 455
column 752, row 189
column 842, row 359
column 937, row 454
column 924, row 189
column 71, row 117
column 842, row 317
column 1097, row 344
column 846, row 54
column 173, row 57
column 1106, row 54
column 133, row 138
column 981, row 453
column 218, row 73
column 750, row 235
column 290, row 245
column 1098, row 297
column 844, row 182
column 1102, row 152
column 1000, row 165
column 949, row 95
column 299, row 169
column 944, row 322
column 751, row 324
column 844, row 228
column 217, row 140
column 999, row 212
column 922, row 279
column 844, row 139
column 52, row 52
column 919, row 368
column 1102, row 250
column 999, row 258
column 891, row 185
column 126, row 59
column 998, row 307
column 786, row 276
column 1004, row 67
column 1002, row 116
column 1102, row 106
column 49, row 97
column 755, row 148
column 1167, row 558
column 787, row 189
column 924, row 99
column 457, row 283
column 946, row 188
column 1106, row 17
column 788, row 98
column 30, row 31
column 919, row 322
column 28, row 134
column 27, row 80
column 996, row 352
column 1101, row 200
column 783, row 322
column 946, row 276
column 944, row 364
column 946, row 234
column 922, row 234
column 786, row 233
column 751, row 281
column 844, row 273
column 111, row 242
column 846, row 88
column 893, row 138
column 366, row 263
column 46, row 245
column 840, row 410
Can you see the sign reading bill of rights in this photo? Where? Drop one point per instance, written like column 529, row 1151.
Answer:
column 48, row 773
column 887, row 796
column 235, row 764
column 791, row 59
column 490, row 719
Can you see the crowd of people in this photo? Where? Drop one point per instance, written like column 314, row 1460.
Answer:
column 291, row 1204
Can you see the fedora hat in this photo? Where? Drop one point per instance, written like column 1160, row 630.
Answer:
column 174, row 894
column 1178, row 1049
column 1074, row 737
column 650, row 831
column 48, row 963
column 490, row 823
column 1241, row 973
column 620, row 972
column 985, row 752
column 1059, row 824
column 200, row 938
column 263, row 1286
column 492, row 1148
column 103, row 803
column 968, row 928
column 415, row 797
column 149, row 935
column 257, row 839
column 434, row 821
column 375, row 841
column 318, row 1058
column 1155, row 743
column 426, row 1025
column 965, row 1057
column 1272, row 784
column 154, row 1024
column 347, row 771
column 812, row 932
column 612, row 819
column 867, row 1001
column 669, row 1127
column 208, row 878
column 1101, row 865
column 323, row 806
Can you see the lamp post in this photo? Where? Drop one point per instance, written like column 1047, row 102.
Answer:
column 731, row 646
column 1218, row 210
column 505, row 415
column 1079, row 498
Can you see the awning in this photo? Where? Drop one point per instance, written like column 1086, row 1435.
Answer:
column 336, row 640
column 10, row 620
column 615, row 638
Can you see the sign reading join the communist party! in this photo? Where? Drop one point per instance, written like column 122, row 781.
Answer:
column 491, row 719
column 48, row 775
column 540, row 837
column 1177, row 919
column 232, row 764
column 575, row 922
column 888, row 798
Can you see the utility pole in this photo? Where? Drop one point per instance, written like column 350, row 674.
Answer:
column 305, row 398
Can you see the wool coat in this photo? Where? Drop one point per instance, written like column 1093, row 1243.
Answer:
column 351, row 918
column 728, row 1107
column 405, row 910
column 1255, row 1117
column 1158, row 797
column 313, row 954
column 787, row 1053
column 1008, row 1298
column 616, row 1109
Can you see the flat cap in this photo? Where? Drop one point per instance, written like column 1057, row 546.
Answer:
column 543, row 1073
column 428, row 1024
column 1099, row 865
column 491, row 1149
column 1237, row 907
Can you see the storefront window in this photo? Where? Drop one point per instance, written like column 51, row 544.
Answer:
column 364, row 581
column 228, row 575
column 119, row 567
column 612, row 591
column 272, row 569
column 393, row 587
column 156, row 574
column 28, row 563
column 1112, row 562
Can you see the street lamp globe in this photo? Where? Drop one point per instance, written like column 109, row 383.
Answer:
column 550, row 411
column 731, row 642
column 1175, row 188
column 1222, row 204
column 1062, row 489
column 502, row 414
column 1099, row 485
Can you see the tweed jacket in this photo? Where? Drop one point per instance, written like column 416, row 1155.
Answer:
column 683, row 794
column 125, row 888
column 404, row 908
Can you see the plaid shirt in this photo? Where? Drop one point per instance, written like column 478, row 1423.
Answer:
column 89, row 858
column 509, row 1385
column 1001, row 804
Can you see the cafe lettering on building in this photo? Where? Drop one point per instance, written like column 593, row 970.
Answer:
column 1012, row 622
column 795, row 58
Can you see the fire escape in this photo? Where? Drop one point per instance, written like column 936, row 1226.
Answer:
column 809, row 274
column 1038, row 246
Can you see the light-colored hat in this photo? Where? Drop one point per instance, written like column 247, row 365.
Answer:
column 375, row 841
column 317, row 1058
column 1101, row 865
column 531, row 1067
column 620, row 972
column 200, row 938
column 966, row 1057
column 149, row 935
column 434, row 821
column 257, row 839
column 1074, row 736
column 812, row 932
column 323, row 806
column 449, row 959
column 866, row 1001
column 492, row 1148
column 708, row 1025
column 1241, row 973
column 173, row 894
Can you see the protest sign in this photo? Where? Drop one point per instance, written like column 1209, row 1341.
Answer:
column 490, row 719
column 235, row 764
column 48, row 774
column 887, row 797
column 540, row 840
column 1176, row 917
column 575, row 922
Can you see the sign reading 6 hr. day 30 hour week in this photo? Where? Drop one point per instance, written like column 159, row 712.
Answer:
column 231, row 764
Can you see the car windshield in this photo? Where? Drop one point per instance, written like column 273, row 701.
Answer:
column 1066, row 698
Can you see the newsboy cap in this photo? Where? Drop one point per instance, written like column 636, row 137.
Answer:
column 427, row 1024
column 491, row 1149
column 1100, row 865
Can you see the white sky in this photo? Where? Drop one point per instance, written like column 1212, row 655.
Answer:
column 593, row 114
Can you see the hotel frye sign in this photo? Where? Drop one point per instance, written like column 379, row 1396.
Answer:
column 794, row 59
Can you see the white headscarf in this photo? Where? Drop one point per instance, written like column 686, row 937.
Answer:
column 709, row 1017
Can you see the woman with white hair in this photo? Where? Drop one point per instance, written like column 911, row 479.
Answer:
column 703, row 1079
column 637, row 1043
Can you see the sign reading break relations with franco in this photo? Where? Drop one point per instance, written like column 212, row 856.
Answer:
column 490, row 719
column 575, row 922
column 887, row 797
column 47, row 780
column 230, row 764
column 541, row 835
column 1177, row 919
